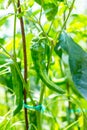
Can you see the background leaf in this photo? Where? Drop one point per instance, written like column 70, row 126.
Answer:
column 77, row 62
column 50, row 8
column 17, row 87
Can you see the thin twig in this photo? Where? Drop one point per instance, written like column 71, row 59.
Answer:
column 14, row 33
column 67, row 84
column 40, row 15
column 50, row 27
column 64, row 24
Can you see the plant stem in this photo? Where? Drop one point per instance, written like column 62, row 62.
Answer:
column 25, row 61
column 38, row 114
column 72, row 124
column 40, row 15
column 43, row 90
column 69, row 104
column 42, row 93
column 67, row 84
column 64, row 24
column 15, row 10
column 50, row 27
column 70, row 10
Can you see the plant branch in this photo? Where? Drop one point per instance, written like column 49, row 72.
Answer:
column 64, row 24
column 43, row 85
column 67, row 84
column 70, row 10
column 40, row 14
column 50, row 27
column 25, row 60
column 14, row 51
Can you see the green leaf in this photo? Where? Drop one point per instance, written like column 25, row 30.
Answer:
column 38, row 1
column 77, row 62
column 3, row 19
column 31, row 3
column 17, row 87
column 5, row 75
column 2, row 40
column 2, row 4
column 84, row 122
column 50, row 10
column 9, row 2
column 3, row 58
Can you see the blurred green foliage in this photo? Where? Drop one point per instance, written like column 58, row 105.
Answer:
column 42, row 20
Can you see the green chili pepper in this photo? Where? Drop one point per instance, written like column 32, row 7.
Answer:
column 39, row 55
